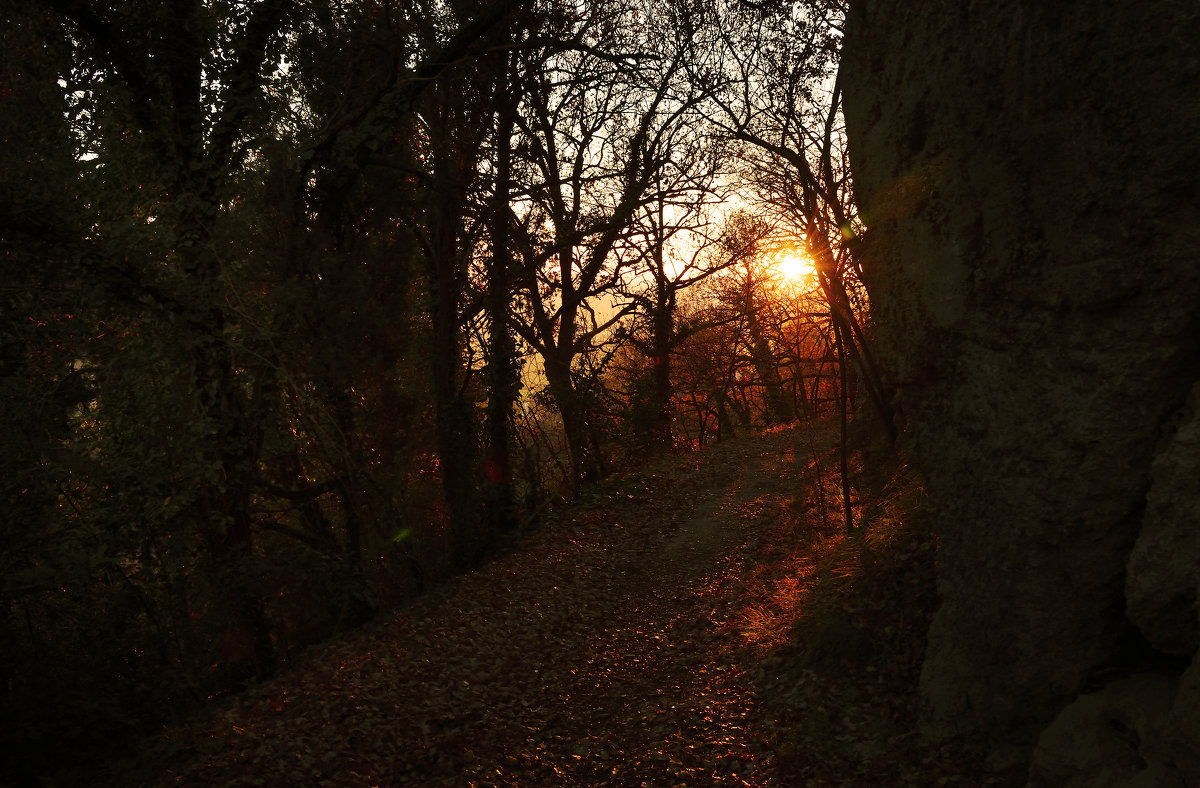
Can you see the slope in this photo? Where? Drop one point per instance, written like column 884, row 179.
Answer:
column 641, row 638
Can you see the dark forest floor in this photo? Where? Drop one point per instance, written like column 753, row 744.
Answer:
column 694, row 623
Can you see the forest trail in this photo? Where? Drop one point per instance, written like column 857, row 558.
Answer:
column 618, row 646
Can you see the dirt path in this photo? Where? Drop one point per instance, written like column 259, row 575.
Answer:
column 605, row 649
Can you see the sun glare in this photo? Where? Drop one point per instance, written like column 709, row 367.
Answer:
column 795, row 266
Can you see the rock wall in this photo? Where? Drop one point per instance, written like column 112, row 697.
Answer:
column 1029, row 173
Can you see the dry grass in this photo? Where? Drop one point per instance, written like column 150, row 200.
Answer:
column 845, row 617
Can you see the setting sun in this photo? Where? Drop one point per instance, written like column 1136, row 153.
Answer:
column 795, row 266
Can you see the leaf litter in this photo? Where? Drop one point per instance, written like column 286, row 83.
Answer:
column 693, row 623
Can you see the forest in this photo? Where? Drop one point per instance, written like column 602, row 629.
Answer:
column 599, row 392
column 311, row 305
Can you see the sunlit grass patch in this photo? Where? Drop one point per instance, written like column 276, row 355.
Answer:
column 881, row 570
column 841, row 684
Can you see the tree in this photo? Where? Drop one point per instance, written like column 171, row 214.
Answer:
column 209, row 334
column 775, row 88
column 669, row 273
column 183, row 88
column 503, row 384
column 600, row 121
column 454, row 118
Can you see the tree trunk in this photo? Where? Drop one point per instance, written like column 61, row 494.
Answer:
column 501, row 373
column 454, row 425
column 658, row 404
column 854, row 339
column 847, row 509
column 779, row 409
column 585, row 466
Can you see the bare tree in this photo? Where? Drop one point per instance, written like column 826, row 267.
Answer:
column 597, row 116
column 775, row 87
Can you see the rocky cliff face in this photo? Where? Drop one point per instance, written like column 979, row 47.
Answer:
column 1030, row 176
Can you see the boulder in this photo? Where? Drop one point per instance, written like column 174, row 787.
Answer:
column 1114, row 738
column 1164, row 570
column 1029, row 175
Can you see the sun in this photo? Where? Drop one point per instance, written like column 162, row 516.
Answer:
column 795, row 266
